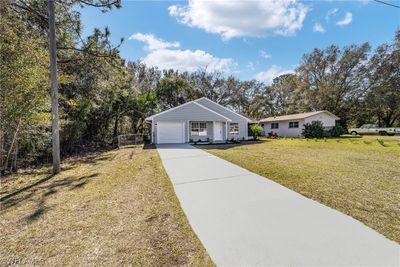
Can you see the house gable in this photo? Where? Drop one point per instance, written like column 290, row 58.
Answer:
column 189, row 111
column 221, row 109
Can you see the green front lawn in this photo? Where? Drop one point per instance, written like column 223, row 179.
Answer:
column 116, row 208
column 357, row 176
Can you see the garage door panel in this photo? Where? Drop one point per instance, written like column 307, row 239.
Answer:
column 170, row 132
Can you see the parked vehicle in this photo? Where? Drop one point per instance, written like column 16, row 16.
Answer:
column 373, row 129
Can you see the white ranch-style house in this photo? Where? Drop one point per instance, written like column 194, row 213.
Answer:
column 292, row 125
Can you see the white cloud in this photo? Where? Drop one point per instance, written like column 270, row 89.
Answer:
column 331, row 13
column 318, row 28
column 188, row 60
column 153, row 43
column 273, row 72
column 166, row 55
column 264, row 54
column 346, row 20
column 231, row 19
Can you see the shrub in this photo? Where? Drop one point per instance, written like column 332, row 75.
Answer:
column 273, row 135
column 317, row 130
column 336, row 131
column 313, row 130
column 256, row 130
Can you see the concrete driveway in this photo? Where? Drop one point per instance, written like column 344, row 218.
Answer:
column 245, row 219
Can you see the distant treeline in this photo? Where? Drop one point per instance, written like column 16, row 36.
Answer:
column 101, row 95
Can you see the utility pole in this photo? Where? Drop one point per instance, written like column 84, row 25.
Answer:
column 54, row 90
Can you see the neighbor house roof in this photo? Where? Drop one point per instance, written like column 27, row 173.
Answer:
column 298, row 116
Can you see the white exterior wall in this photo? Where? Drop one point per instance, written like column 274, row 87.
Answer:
column 284, row 129
column 326, row 119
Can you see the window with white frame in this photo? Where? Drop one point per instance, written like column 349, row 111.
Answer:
column 234, row 128
column 293, row 124
column 275, row 125
column 198, row 129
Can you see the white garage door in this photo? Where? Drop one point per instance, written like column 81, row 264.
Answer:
column 170, row 132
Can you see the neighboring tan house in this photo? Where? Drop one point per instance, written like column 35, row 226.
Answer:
column 198, row 120
column 292, row 125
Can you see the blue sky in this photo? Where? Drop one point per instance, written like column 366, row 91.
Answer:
column 248, row 39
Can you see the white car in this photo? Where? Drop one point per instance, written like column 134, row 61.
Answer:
column 373, row 129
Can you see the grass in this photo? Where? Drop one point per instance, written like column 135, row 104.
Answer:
column 359, row 177
column 115, row 208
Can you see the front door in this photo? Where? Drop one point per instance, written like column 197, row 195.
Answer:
column 218, row 131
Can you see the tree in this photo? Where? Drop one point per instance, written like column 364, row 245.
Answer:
column 24, row 99
column 333, row 80
column 174, row 91
column 54, row 90
column 283, row 89
column 212, row 85
column 20, row 56
column 383, row 99
column 256, row 130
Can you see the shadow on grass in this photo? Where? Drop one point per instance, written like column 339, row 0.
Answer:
column 39, row 192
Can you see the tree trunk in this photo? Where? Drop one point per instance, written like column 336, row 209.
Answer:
column 115, row 133
column 54, row 90
column 14, row 165
column 2, row 169
column 12, row 144
column 392, row 122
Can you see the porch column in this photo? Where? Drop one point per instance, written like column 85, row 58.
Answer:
column 188, row 132
column 152, row 132
column 213, row 130
column 226, row 130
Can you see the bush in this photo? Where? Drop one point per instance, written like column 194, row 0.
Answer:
column 271, row 134
column 336, row 131
column 313, row 130
column 317, row 130
column 256, row 130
